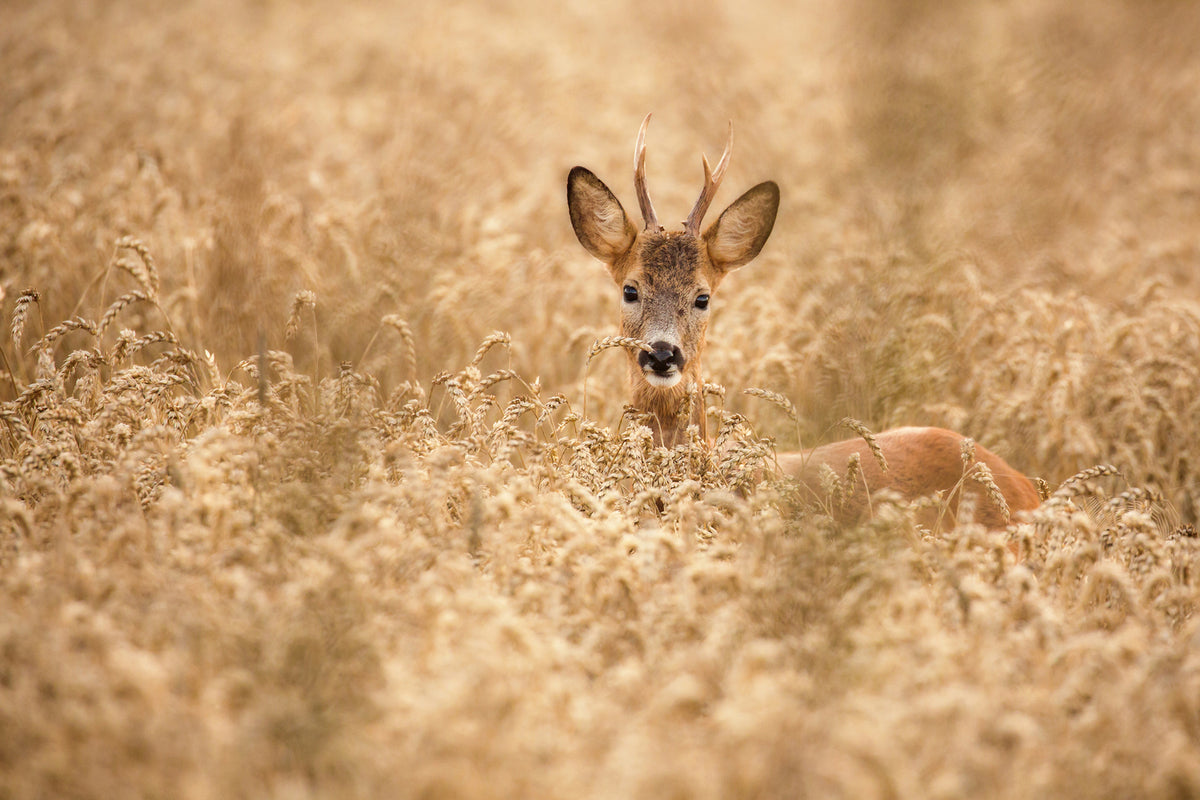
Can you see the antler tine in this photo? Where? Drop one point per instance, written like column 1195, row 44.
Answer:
column 712, row 181
column 639, row 178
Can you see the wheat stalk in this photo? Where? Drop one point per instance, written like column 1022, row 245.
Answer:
column 143, row 270
column 775, row 399
column 981, row 473
column 63, row 328
column 401, row 326
column 967, row 451
column 116, row 306
column 491, row 340
column 303, row 299
column 600, row 345
column 1077, row 484
column 20, row 310
column 867, row 436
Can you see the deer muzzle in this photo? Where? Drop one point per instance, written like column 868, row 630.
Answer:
column 662, row 366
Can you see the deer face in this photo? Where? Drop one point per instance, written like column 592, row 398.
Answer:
column 666, row 280
column 664, row 301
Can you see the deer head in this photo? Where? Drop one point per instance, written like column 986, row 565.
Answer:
column 667, row 279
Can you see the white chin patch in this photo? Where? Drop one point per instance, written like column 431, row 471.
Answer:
column 663, row 381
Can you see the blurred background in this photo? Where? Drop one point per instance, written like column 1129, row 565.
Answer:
column 988, row 219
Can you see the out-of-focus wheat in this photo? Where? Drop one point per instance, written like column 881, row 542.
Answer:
column 230, row 567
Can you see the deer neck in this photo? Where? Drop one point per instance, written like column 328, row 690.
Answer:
column 664, row 406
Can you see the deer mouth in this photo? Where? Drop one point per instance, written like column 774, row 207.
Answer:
column 662, row 380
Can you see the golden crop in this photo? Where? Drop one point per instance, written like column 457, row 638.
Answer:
column 316, row 478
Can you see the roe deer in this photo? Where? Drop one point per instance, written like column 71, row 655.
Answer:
column 667, row 279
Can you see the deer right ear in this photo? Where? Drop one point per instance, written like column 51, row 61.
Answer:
column 742, row 229
column 599, row 221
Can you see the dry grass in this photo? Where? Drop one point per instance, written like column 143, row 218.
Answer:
column 298, row 495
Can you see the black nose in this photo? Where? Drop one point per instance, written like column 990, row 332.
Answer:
column 662, row 358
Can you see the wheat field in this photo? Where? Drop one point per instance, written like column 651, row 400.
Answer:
column 317, row 480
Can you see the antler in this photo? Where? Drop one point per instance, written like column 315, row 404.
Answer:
column 712, row 180
column 639, row 179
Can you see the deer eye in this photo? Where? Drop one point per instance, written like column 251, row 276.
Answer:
column 631, row 295
column 702, row 301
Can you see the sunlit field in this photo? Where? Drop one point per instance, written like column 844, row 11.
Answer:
column 317, row 481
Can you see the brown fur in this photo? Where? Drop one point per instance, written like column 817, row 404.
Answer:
column 921, row 461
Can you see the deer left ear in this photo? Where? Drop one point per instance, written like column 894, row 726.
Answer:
column 740, row 232
column 600, row 223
